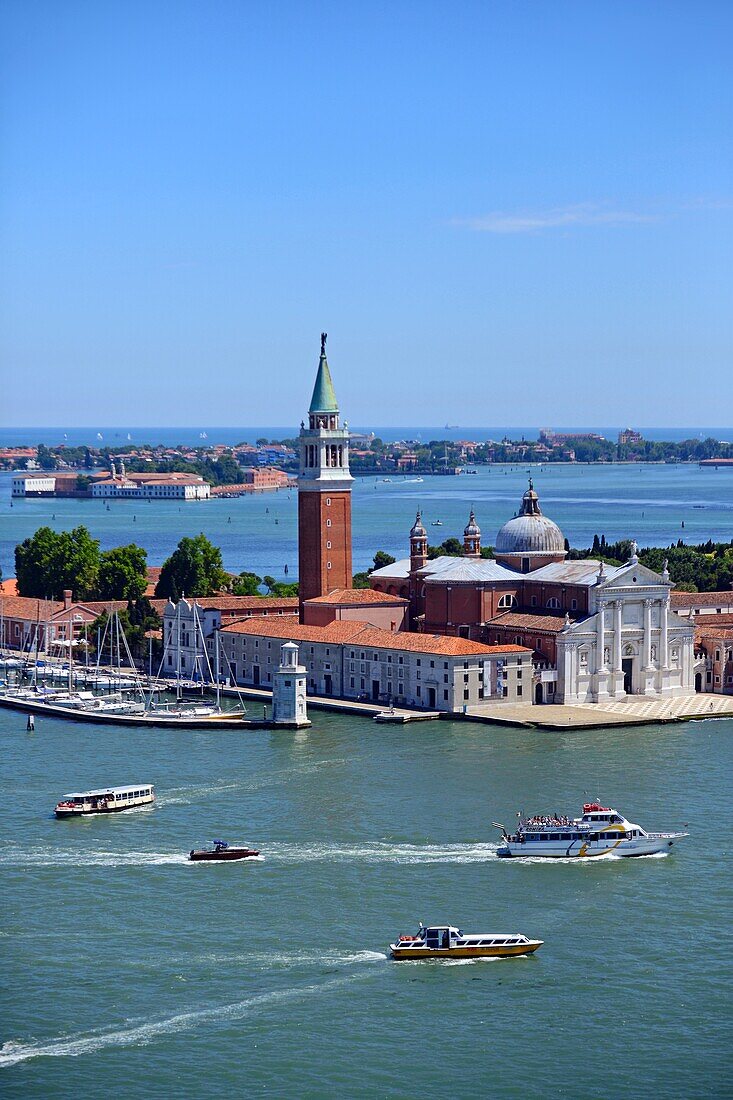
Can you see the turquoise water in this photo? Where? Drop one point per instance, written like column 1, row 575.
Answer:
column 128, row 970
column 649, row 503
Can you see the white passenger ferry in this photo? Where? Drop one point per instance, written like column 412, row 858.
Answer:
column 598, row 832
column 107, row 800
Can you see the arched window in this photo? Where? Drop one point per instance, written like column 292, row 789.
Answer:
column 553, row 602
column 507, row 600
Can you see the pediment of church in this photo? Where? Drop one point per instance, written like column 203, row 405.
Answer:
column 634, row 576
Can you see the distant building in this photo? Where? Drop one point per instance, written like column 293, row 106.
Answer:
column 629, row 436
column 33, row 485
column 154, row 486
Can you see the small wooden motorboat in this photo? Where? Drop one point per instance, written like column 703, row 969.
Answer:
column 222, row 851
column 446, row 942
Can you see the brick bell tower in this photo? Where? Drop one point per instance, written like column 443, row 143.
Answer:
column 324, row 494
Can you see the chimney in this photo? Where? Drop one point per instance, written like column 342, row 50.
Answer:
column 68, row 595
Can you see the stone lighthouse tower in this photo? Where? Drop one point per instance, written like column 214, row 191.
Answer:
column 324, row 493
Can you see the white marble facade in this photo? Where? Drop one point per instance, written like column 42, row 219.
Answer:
column 630, row 644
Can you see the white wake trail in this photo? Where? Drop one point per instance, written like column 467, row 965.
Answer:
column 73, row 1046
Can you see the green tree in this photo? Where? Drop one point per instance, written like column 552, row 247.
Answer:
column 381, row 558
column 49, row 562
column 123, row 573
column 82, row 483
column 279, row 588
column 46, row 458
column 194, row 569
column 247, row 584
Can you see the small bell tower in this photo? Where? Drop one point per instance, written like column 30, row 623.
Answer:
column 418, row 545
column 472, row 538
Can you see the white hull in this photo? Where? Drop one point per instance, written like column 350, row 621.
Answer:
column 579, row 849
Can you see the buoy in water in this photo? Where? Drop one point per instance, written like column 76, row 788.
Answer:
column 31, row 723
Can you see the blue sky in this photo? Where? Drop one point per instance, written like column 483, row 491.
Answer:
column 500, row 212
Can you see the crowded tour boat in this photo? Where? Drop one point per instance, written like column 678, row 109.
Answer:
column 443, row 941
column 598, row 832
column 108, row 800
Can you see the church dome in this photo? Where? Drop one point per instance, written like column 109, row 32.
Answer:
column 529, row 532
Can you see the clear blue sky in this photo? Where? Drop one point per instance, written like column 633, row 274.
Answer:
column 501, row 212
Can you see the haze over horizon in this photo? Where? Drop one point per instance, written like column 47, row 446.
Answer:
column 522, row 210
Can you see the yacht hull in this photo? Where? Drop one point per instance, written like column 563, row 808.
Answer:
column 644, row 846
column 498, row 952
column 229, row 854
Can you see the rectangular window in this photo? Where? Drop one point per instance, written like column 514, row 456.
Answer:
column 519, row 690
column 465, row 696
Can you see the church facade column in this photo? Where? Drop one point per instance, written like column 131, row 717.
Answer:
column 601, row 665
column 664, row 686
column 618, row 679
column 648, row 635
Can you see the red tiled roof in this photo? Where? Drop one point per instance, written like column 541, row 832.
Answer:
column 245, row 603
column 371, row 636
column 29, row 607
column 348, row 597
column 551, row 624
column 701, row 599
column 9, row 587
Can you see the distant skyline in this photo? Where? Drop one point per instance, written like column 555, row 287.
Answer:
column 500, row 213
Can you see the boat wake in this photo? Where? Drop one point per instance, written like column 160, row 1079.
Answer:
column 29, row 856
column 75, row 1045
column 53, row 857
column 381, row 852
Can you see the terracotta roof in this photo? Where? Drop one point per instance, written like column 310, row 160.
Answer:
column 9, row 587
column 368, row 636
column 702, row 599
column 244, row 603
column 356, row 597
column 294, row 631
column 551, row 624
column 29, row 607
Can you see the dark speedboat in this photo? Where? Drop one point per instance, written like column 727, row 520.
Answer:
column 221, row 850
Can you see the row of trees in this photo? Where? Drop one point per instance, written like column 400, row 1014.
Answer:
column 50, row 561
column 707, row 567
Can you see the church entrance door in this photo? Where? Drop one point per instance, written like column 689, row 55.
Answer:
column 698, row 681
column 538, row 694
column 627, row 667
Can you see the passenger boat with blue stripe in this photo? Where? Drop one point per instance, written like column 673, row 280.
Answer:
column 443, row 941
column 600, row 831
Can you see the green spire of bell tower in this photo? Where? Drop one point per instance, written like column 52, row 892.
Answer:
column 324, row 397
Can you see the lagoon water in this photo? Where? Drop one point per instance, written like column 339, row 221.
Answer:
column 128, row 969
column 259, row 533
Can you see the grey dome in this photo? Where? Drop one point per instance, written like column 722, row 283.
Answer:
column 529, row 531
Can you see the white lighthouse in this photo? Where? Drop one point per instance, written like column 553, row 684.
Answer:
column 288, row 689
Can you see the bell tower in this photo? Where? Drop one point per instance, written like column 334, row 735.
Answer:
column 472, row 538
column 324, row 493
